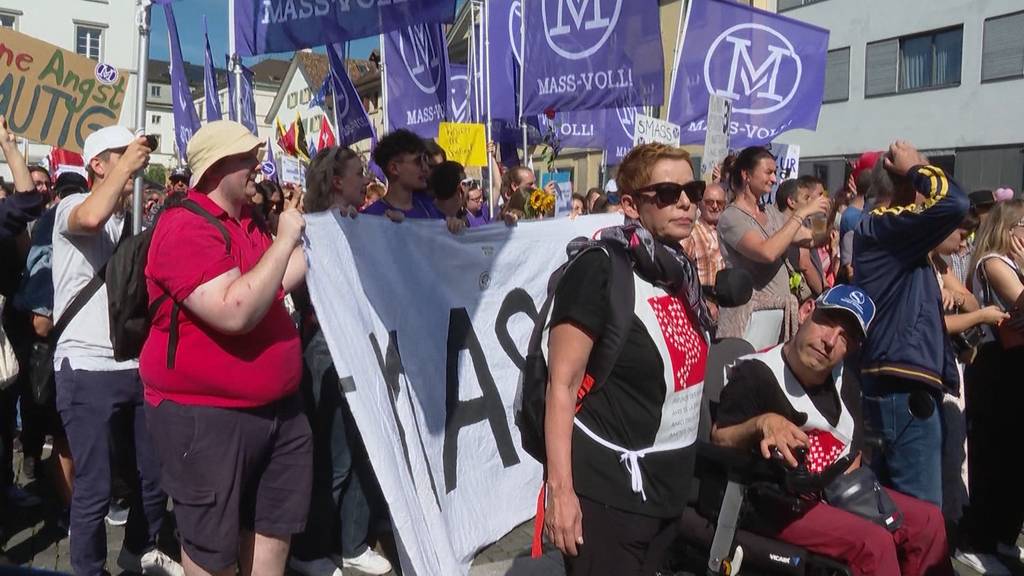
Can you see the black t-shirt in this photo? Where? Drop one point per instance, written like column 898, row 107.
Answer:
column 753, row 389
column 626, row 410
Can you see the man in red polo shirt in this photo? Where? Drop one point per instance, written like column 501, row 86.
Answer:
column 222, row 364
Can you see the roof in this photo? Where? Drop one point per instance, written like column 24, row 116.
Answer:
column 270, row 71
column 314, row 68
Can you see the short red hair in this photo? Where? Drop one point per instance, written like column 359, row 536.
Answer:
column 635, row 171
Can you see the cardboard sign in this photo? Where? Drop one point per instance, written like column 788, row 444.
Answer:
column 716, row 141
column 292, row 171
column 563, row 191
column 53, row 96
column 464, row 143
column 647, row 130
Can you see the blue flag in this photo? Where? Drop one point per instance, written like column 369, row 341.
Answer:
column 318, row 99
column 311, row 146
column 417, row 78
column 770, row 66
column 592, row 55
column 504, row 31
column 458, row 85
column 248, row 99
column 353, row 123
column 618, row 130
column 210, row 90
column 269, row 166
column 186, row 121
column 284, row 25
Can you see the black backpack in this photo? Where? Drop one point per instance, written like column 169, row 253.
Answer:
column 128, row 300
column 531, row 398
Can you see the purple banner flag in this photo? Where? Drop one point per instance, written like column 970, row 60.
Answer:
column 248, row 99
column 269, row 166
column 577, row 129
column 770, row 66
column 211, row 93
column 285, row 25
column 353, row 123
column 504, row 31
column 618, row 129
column 458, row 85
column 186, row 121
column 417, row 78
column 592, row 55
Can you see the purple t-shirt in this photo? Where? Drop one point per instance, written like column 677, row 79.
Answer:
column 474, row 221
column 423, row 208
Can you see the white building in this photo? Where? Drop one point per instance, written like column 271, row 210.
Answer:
column 947, row 75
column 104, row 30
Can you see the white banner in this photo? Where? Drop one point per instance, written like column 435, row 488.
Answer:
column 716, row 141
column 648, row 130
column 428, row 331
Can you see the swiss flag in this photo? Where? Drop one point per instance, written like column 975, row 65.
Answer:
column 327, row 139
column 62, row 160
column 686, row 347
column 823, row 450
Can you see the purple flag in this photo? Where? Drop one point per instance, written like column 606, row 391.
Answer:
column 618, row 130
column 210, row 90
column 417, row 78
column 248, row 100
column 592, row 55
column 577, row 129
column 284, row 25
column 504, row 31
column 458, row 85
column 186, row 121
column 231, row 89
column 269, row 166
column 770, row 66
column 353, row 123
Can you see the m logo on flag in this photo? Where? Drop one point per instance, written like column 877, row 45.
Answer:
column 424, row 65
column 589, row 25
column 627, row 119
column 460, row 97
column 515, row 29
column 761, row 83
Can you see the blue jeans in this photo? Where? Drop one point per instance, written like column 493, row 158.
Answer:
column 911, row 461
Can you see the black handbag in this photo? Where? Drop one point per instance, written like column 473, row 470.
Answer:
column 40, row 374
column 859, row 493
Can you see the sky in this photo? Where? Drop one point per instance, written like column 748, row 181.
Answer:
column 189, row 16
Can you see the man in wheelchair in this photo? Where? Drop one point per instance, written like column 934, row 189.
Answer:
column 792, row 403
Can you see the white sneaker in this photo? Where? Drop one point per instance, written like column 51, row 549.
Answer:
column 1014, row 552
column 152, row 563
column 315, row 567
column 982, row 563
column 369, row 562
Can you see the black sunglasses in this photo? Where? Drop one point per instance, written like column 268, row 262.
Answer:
column 667, row 193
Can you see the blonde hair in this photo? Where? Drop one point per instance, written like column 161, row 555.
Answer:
column 635, row 171
column 327, row 164
column 994, row 234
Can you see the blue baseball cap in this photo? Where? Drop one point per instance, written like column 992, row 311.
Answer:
column 852, row 300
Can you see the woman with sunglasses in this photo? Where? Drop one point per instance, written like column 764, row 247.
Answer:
column 756, row 240
column 600, row 514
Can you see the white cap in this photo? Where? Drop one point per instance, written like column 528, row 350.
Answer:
column 104, row 139
column 611, row 186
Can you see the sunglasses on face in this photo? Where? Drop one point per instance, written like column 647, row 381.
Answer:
column 667, row 193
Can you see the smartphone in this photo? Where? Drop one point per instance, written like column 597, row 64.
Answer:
column 152, row 141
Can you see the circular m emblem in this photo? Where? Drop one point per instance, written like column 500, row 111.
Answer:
column 857, row 297
column 515, row 29
column 341, row 102
column 627, row 118
column 105, row 73
column 421, row 56
column 460, row 97
column 754, row 66
column 268, row 168
column 576, row 29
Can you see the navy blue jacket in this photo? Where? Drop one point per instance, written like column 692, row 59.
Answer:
column 907, row 338
column 18, row 210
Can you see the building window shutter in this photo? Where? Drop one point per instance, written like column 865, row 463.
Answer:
column 1002, row 53
column 881, row 67
column 837, row 76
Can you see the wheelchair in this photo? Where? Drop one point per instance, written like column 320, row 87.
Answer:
column 714, row 534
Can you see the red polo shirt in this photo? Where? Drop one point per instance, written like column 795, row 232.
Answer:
column 211, row 368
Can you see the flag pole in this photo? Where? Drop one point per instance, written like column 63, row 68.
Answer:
column 236, row 62
column 522, row 81
column 141, row 75
column 491, row 165
column 383, row 86
column 334, row 95
column 680, row 34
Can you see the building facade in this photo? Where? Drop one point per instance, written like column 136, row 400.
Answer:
column 944, row 74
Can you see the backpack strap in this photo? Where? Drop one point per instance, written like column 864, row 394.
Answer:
column 89, row 290
column 173, row 330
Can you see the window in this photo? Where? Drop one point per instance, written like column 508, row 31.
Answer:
column 154, row 91
column 1002, row 52
column 837, row 76
column 910, row 63
column 154, row 119
column 790, row 4
column 89, row 41
column 9, row 20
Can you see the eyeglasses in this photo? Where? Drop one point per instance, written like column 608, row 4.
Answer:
column 667, row 193
column 714, row 203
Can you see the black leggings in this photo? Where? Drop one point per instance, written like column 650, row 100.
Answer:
column 614, row 541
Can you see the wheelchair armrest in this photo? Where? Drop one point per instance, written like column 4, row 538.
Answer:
column 744, row 465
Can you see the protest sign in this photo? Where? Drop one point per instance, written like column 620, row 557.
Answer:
column 464, row 143
column 563, row 190
column 53, row 96
column 428, row 331
column 292, row 171
column 647, row 130
column 716, row 143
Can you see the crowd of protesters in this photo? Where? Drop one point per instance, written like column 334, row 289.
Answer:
column 897, row 287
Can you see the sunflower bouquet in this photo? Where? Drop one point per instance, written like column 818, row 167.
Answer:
column 540, row 204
